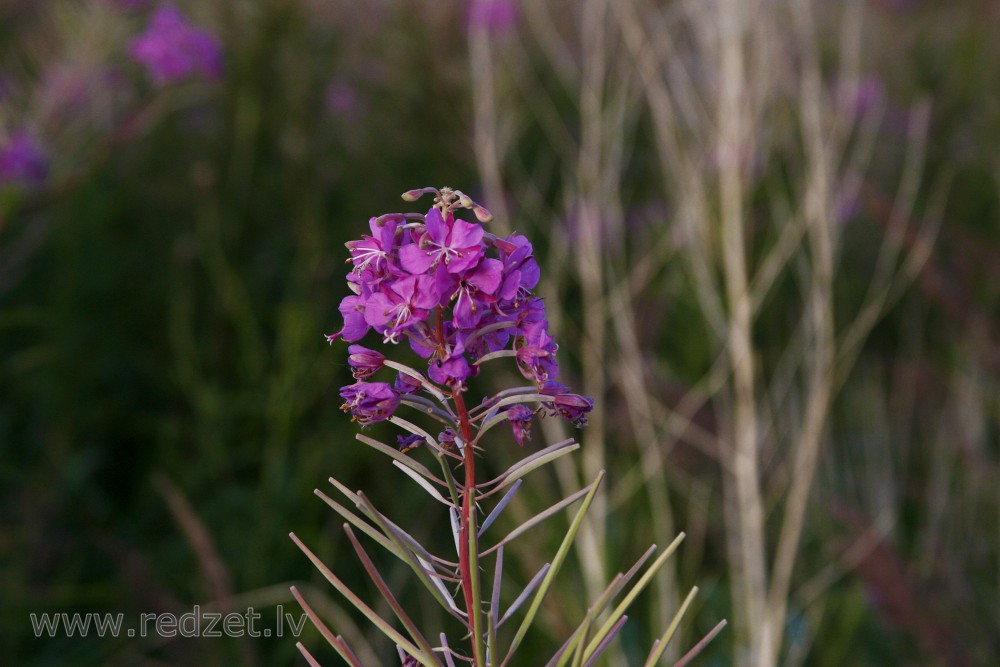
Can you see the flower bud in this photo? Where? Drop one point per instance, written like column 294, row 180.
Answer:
column 364, row 362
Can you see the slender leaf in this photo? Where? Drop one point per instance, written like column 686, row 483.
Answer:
column 394, row 604
column 526, row 465
column 336, row 641
column 420, row 565
column 359, row 604
column 424, row 484
column 396, row 455
column 516, row 604
column 538, row 518
column 700, row 646
column 660, row 645
column 606, row 642
column 557, row 562
column 633, row 593
column 431, row 389
column 500, row 507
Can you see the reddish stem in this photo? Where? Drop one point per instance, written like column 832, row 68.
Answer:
column 468, row 507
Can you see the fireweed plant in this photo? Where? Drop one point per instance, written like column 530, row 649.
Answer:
column 462, row 298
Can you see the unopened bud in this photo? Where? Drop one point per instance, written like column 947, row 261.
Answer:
column 414, row 195
column 481, row 213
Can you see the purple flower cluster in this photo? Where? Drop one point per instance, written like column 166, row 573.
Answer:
column 172, row 49
column 22, row 161
column 455, row 293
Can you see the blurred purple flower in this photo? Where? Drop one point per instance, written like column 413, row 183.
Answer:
column 341, row 99
column 493, row 15
column 860, row 96
column 22, row 160
column 172, row 49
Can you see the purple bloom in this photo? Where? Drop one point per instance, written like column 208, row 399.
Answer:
column 455, row 243
column 520, row 270
column 373, row 251
column 369, row 402
column 446, row 438
column 363, row 361
column 172, row 49
column 475, row 291
column 404, row 303
column 452, row 371
column 493, row 15
column 406, row 384
column 22, row 161
column 571, row 407
column 408, row 442
column 355, row 325
column 519, row 417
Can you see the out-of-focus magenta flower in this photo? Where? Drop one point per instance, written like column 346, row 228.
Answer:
column 172, row 49
column 494, row 15
column 341, row 99
column 22, row 161
column 369, row 402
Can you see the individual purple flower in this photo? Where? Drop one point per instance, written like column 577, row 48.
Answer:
column 22, row 161
column 364, row 362
column 405, row 302
column 452, row 372
column 571, row 407
column 493, row 15
column 373, row 251
column 446, row 438
column 474, row 292
column 520, row 270
column 369, row 402
column 519, row 417
column 406, row 384
column 456, row 244
column 352, row 307
column 408, row 442
column 172, row 49
column 537, row 359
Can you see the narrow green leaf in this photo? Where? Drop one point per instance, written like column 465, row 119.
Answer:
column 633, row 593
column 394, row 604
column 424, row 484
column 396, row 455
column 526, row 465
column 421, row 567
column 557, row 562
column 337, row 642
column 537, row 519
column 660, row 645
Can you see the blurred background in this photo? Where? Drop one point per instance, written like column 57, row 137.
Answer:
column 770, row 247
